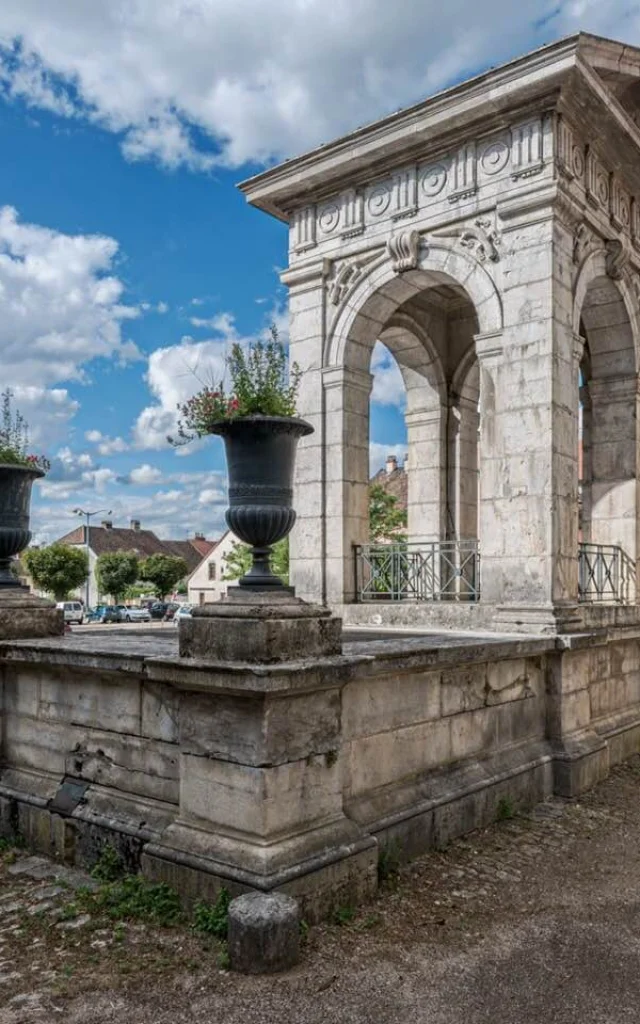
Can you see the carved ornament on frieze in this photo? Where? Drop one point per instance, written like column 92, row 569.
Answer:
column 347, row 275
column 481, row 239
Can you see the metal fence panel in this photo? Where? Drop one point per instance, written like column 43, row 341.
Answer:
column 433, row 571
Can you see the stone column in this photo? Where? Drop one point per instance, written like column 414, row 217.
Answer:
column 464, row 422
column 426, row 483
column 306, row 319
column 346, row 509
column 528, row 437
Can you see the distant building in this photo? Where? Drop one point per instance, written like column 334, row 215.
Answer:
column 393, row 477
column 206, row 583
column 108, row 538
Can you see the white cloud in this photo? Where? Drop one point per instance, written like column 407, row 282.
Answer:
column 388, row 385
column 61, row 303
column 221, row 82
column 145, row 475
column 106, row 445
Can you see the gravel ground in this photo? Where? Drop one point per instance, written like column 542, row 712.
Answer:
column 534, row 920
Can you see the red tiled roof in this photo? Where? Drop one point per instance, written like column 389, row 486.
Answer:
column 141, row 542
column 394, row 483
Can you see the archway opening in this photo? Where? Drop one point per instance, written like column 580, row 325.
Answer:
column 430, row 336
column 607, row 457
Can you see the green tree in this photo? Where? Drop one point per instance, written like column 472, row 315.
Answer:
column 387, row 518
column 163, row 572
column 238, row 561
column 57, row 569
column 115, row 572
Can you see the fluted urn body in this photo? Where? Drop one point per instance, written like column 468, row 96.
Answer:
column 261, row 454
column 15, row 503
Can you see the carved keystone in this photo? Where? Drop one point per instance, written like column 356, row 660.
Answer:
column 403, row 249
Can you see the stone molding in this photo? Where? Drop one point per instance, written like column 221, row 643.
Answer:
column 345, row 376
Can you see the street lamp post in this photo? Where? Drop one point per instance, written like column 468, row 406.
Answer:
column 88, row 516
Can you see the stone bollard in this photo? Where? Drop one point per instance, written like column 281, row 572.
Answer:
column 264, row 933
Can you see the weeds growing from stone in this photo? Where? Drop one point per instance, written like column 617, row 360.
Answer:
column 213, row 920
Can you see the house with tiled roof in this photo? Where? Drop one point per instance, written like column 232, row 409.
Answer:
column 107, row 538
column 393, row 478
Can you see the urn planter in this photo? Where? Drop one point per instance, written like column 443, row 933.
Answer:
column 260, row 454
column 15, row 501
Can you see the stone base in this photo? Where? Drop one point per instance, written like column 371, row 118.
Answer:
column 539, row 619
column 23, row 616
column 261, row 627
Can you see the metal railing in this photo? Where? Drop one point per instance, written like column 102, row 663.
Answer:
column 427, row 571
column 605, row 573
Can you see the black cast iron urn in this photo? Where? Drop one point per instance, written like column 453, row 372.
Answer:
column 15, row 501
column 261, row 454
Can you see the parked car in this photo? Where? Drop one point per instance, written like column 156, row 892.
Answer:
column 73, row 611
column 103, row 613
column 158, row 609
column 129, row 614
column 183, row 612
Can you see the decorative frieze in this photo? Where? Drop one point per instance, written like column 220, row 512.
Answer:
column 635, row 223
column 352, row 222
column 405, row 193
column 527, row 153
column 494, row 156
column 304, row 228
column 598, row 187
column 620, row 207
column 569, row 154
column 464, row 170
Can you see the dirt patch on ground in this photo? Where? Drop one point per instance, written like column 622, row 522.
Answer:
column 536, row 919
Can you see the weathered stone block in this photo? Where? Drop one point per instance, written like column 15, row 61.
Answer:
column 375, row 704
column 264, row 933
column 260, row 801
column 261, row 730
column 463, row 689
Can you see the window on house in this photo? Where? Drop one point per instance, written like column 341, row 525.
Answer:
column 212, row 570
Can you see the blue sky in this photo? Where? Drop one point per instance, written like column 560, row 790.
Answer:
column 127, row 256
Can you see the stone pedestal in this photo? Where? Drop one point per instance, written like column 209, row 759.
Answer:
column 261, row 627
column 23, row 616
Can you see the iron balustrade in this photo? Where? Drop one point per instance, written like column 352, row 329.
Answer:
column 605, row 573
column 426, row 571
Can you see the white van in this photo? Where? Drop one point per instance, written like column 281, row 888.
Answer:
column 73, row 611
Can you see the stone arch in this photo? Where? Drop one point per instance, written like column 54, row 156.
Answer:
column 378, row 294
column 592, row 272
column 605, row 321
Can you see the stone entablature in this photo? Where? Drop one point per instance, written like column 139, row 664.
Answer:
column 480, row 171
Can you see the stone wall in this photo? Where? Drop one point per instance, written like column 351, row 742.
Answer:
column 293, row 777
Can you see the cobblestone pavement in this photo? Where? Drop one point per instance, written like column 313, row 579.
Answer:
column 536, row 919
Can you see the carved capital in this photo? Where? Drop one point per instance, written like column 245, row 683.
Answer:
column 403, row 250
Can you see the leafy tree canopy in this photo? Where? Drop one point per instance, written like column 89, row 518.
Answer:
column 115, row 571
column 238, row 561
column 387, row 518
column 57, row 569
column 163, row 572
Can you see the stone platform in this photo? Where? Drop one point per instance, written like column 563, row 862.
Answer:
column 294, row 777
